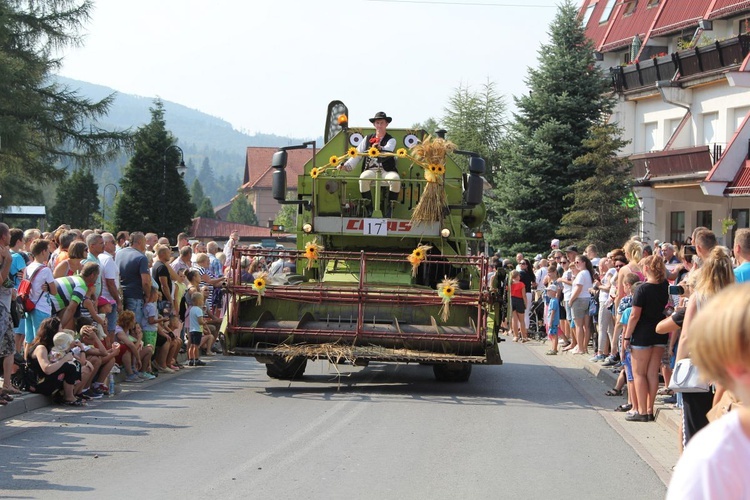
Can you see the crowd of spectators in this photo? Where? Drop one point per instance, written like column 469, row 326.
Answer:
column 640, row 302
column 78, row 306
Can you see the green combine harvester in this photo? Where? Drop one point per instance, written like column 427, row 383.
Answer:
column 370, row 288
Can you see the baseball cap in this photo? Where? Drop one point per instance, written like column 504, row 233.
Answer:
column 538, row 257
column 555, row 243
column 551, row 288
column 572, row 248
column 103, row 301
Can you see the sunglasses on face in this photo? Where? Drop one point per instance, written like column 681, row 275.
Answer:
column 621, row 265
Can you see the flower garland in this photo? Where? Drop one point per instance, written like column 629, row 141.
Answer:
column 446, row 290
column 312, row 250
column 417, row 257
column 259, row 285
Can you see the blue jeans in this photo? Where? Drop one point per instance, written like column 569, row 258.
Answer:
column 135, row 305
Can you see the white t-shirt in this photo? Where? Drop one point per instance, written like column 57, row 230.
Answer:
column 607, row 280
column 110, row 271
column 583, row 278
column 540, row 275
column 567, row 289
column 714, row 464
column 44, row 275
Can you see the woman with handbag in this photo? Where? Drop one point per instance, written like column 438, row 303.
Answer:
column 715, row 274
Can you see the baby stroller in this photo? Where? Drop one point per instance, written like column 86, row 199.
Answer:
column 536, row 320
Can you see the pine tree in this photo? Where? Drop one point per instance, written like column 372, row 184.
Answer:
column 206, row 209
column 41, row 122
column 599, row 214
column 568, row 94
column 207, row 176
column 77, row 201
column 152, row 201
column 196, row 193
column 242, row 212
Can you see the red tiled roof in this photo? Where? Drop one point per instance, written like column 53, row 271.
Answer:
column 258, row 171
column 673, row 16
column 213, row 228
column 741, row 183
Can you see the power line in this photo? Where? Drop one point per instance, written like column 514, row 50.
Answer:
column 482, row 4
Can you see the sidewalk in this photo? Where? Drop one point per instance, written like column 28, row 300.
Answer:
column 665, row 415
column 29, row 402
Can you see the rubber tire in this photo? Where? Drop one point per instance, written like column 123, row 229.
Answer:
column 282, row 369
column 452, row 372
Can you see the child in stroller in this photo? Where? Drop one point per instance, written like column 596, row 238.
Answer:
column 536, row 320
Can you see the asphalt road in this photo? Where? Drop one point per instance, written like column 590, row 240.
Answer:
column 521, row 430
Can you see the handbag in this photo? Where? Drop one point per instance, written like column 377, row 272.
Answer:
column 685, row 378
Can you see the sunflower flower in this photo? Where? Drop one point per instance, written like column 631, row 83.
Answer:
column 315, row 172
column 312, row 250
column 259, row 285
column 446, row 290
column 433, row 167
column 430, row 176
column 440, row 169
column 373, row 152
column 352, row 152
column 417, row 257
column 401, row 152
column 334, row 160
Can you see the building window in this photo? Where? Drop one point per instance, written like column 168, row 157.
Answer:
column 742, row 219
column 677, row 226
column 652, row 3
column 744, row 26
column 587, row 14
column 629, row 7
column 607, row 11
column 704, row 219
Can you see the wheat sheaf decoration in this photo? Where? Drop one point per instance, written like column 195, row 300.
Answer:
column 430, row 154
column 417, row 257
column 446, row 290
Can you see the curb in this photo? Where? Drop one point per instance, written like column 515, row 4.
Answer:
column 28, row 402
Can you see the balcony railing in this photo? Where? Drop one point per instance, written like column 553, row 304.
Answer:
column 689, row 62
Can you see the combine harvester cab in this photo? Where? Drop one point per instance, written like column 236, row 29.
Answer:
column 406, row 288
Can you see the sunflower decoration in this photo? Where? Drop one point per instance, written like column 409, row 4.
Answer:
column 316, row 171
column 373, row 152
column 352, row 152
column 440, row 169
column 312, row 251
column 446, row 290
column 417, row 257
column 334, row 161
column 402, row 153
column 259, row 285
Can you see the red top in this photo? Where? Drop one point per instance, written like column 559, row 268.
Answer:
column 517, row 289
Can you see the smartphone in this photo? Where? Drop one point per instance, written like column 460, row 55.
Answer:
column 676, row 290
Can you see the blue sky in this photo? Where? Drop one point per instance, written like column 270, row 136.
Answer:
column 272, row 66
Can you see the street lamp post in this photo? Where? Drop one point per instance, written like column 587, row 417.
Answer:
column 104, row 200
column 181, row 170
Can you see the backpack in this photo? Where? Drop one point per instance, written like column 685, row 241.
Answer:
column 24, row 293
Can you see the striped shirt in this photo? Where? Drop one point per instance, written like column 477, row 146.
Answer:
column 69, row 288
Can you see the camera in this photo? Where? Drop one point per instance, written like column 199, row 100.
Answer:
column 676, row 290
column 690, row 250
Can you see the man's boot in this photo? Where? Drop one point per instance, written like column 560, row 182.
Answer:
column 367, row 203
column 392, row 198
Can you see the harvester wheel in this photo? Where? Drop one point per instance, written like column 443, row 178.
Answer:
column 459, row 372
column 287, row 370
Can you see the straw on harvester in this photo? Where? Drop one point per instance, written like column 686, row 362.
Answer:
column 430, row 155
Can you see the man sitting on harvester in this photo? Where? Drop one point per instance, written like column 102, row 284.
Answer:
column 382, row 167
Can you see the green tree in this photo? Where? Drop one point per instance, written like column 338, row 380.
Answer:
column 242, row 211
column 430, row 125
column 77, row 201
column 599, row 214
column 154, row 200
column 41, row 122
column 567, row 95
column 206, row 209
column 196, row 193
column 287, row 216
column 475, row 121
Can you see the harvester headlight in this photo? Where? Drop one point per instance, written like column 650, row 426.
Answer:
column 355, row 139
column 410, row 141
column 307, row 228
column 445, row 232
